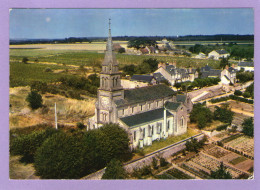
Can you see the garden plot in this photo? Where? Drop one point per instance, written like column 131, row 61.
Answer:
column 243, row 144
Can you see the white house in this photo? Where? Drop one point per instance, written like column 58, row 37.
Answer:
column 217, row 54
column 247, row 66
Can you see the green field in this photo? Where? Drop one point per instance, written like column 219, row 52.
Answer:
column 23, row 74
column 80, row 57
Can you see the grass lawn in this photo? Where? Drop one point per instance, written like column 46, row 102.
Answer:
column 237, row 160
column 166, row 142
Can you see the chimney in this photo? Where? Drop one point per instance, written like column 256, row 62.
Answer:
column 163, row 65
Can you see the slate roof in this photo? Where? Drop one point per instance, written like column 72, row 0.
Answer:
column 181, row 98
column 142, row 78
column 246, row 64
column 206, row 68
column 146, row 117
column 211, row 73
column 143, row 94
column 159, row 77
column 172, row 105
column 221, row 51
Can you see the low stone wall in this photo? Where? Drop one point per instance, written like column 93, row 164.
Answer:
column 165, row 152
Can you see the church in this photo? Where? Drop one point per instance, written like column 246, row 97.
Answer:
column 147, row 113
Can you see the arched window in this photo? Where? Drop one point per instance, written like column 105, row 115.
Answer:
column 182, row 122
column 103, row 82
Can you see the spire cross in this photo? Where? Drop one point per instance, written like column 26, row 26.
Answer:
column 109, row 23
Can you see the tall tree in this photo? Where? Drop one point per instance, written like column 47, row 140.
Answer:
column 221, row 173
column 114, row 170
column 248, row 127
column 34, row 99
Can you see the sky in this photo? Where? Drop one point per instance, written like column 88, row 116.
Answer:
column 63, row 23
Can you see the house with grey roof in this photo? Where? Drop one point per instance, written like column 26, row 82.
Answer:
column 175, row 75
column 247, row 66
column 147, row 114
column 226, row 76
column 218, row 54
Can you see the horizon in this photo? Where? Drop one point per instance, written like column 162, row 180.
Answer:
column 65, row 23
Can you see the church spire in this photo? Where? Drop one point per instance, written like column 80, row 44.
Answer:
column 110, row 58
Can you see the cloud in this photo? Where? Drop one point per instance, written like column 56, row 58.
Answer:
column 48, row 19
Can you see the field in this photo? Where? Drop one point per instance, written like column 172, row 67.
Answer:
column 69, row 111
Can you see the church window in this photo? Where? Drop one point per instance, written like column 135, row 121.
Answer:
column 132, row 109
column 157, row 103
column 182, row 121
column 123, row 111
column 144, row 133
column 116, row 81
column 152, row 129
column 134, row 135
column 141, row 107
column 168, row 125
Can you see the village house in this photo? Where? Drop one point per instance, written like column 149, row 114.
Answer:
column 137, row 81
column 175, row 75
column 247, row 66
column 217, row 54
column 147, row 114
column 226, row 76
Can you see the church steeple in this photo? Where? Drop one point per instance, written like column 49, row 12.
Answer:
column 110, row 76
column 110, row 58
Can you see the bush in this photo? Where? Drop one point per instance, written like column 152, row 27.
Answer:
column 25, row 60
column 248, row 127
column 48, row 70
column 222, row 127
column 114, row 170
column 26, row 145
column 155, row 163
column 163, row 162
column 238, row 93
column 34, row 99
column 80, row 125
column 246, row 94
column 59, row 157
column 121, row 50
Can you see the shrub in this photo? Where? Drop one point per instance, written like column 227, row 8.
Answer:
column 26, row 145
column 238, row 93
column 246, row 94
column 25, row 60
column 114, row 170
column 34, row 99
column 80, row 125
column 59, row 157
column 48, row 70
column 155, row 163
column 248, row 127
column 121, row 50
column 163, row 162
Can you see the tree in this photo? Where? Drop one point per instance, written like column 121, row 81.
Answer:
column 238, row 93
column 114, row 170
column 26, row 145
column 34, row 99
column 223, row 63
column 248, row 127
column 121, row 50
column 141, row 42
column 201, row 115
column 39, row 86
column 59, row 157
column 221, row 173
column 25, row 60
column 223, row 113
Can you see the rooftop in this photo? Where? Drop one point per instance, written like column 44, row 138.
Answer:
column 144, row 94
column 146, row 117
column 142, row 78
column 246, row 64
column 181, row 98
column 172, row 105
column 222, row 51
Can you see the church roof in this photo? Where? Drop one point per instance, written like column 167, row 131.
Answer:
column 142, row 78
column 143, row 94
column 143, row 118
column 172, row 105
column 181, row 98
column 221, row 51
